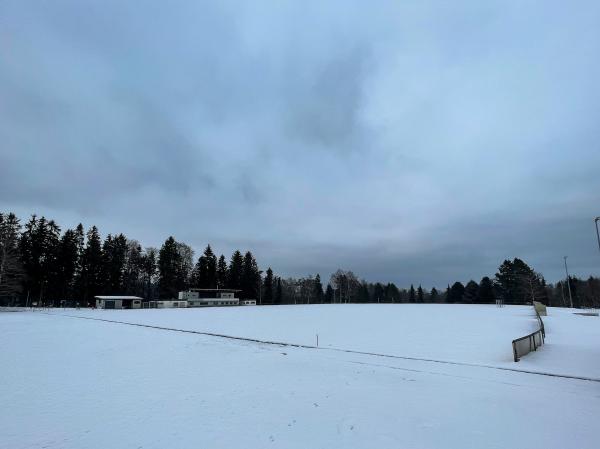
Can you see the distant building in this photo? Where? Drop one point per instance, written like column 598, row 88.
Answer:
column 118, row 302
column 165, row 304
column 248, row 302
column 206, row 297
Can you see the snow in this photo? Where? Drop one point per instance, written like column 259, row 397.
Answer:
column 79, row 383
column 477, row 333
column 572, row 345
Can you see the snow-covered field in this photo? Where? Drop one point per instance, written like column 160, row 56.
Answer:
column 80, row 383
column 480, row 333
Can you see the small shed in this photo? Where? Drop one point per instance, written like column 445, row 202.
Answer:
column 118, row 302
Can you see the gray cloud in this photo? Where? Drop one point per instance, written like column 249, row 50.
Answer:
column 412, row 143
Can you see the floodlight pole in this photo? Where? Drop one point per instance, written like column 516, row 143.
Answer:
column 568, row 282
column 260, row 288
column 596, row 220
column 2, row 263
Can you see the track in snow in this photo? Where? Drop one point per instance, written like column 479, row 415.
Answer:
column 350, row 351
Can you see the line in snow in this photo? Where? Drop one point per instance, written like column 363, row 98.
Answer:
column 350, row 351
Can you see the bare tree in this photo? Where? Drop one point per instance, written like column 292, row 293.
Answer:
column 186, row 254
column 307, row 289
column 346, row 286
column 291, row 291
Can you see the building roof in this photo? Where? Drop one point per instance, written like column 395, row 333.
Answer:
column 110, row 298
column 211, row 299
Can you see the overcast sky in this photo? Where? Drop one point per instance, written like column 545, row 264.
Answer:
column 414, row 142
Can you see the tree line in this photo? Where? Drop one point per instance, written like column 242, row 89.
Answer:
column 515, row 282
column 41, row 264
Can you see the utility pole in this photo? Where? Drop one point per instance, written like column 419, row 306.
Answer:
column 568, row 282
column 2, row 259
column 259, row 291
column 347, row 289
column 596, row 220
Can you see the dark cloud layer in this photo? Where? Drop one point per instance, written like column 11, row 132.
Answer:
column 413, row 142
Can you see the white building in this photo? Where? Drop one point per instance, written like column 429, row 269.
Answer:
column 118, row 302
column 248, row 302
column 206, row 297
column 165, row 304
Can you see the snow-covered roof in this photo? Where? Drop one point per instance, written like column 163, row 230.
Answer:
column 110, row 298
column 213, row 299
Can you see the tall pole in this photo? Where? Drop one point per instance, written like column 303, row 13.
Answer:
column 2, row 259
column 596, row 220
column 347, row 289
column 260, row 288
column 568, row 282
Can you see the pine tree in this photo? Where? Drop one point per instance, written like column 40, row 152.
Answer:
column 486, row 294
column 236, row 267
column 328, row 294
column 211, row 268
column 318, row 289
column 411, row 297
column 133, row 283
column 51, row 287
column 92, row 267
column 268, row 296
column 11, row 269
column 434, row 295
column 471, row 292
column 39, row 246
column 68, row 264
column 169, row 269
column 114, row 254
column 196, row 277
column 392, row 293
column 204, row 274
column 518, row 283
column 222, row 273
column 149, row 267
column 278, row 292
column 387, row 294
column 250, row 277
column 378, row 293
column 29, row 249
column 363, row 293
column 79, row 288
column 456, row 293
column 420, row 295
column 105, row 275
